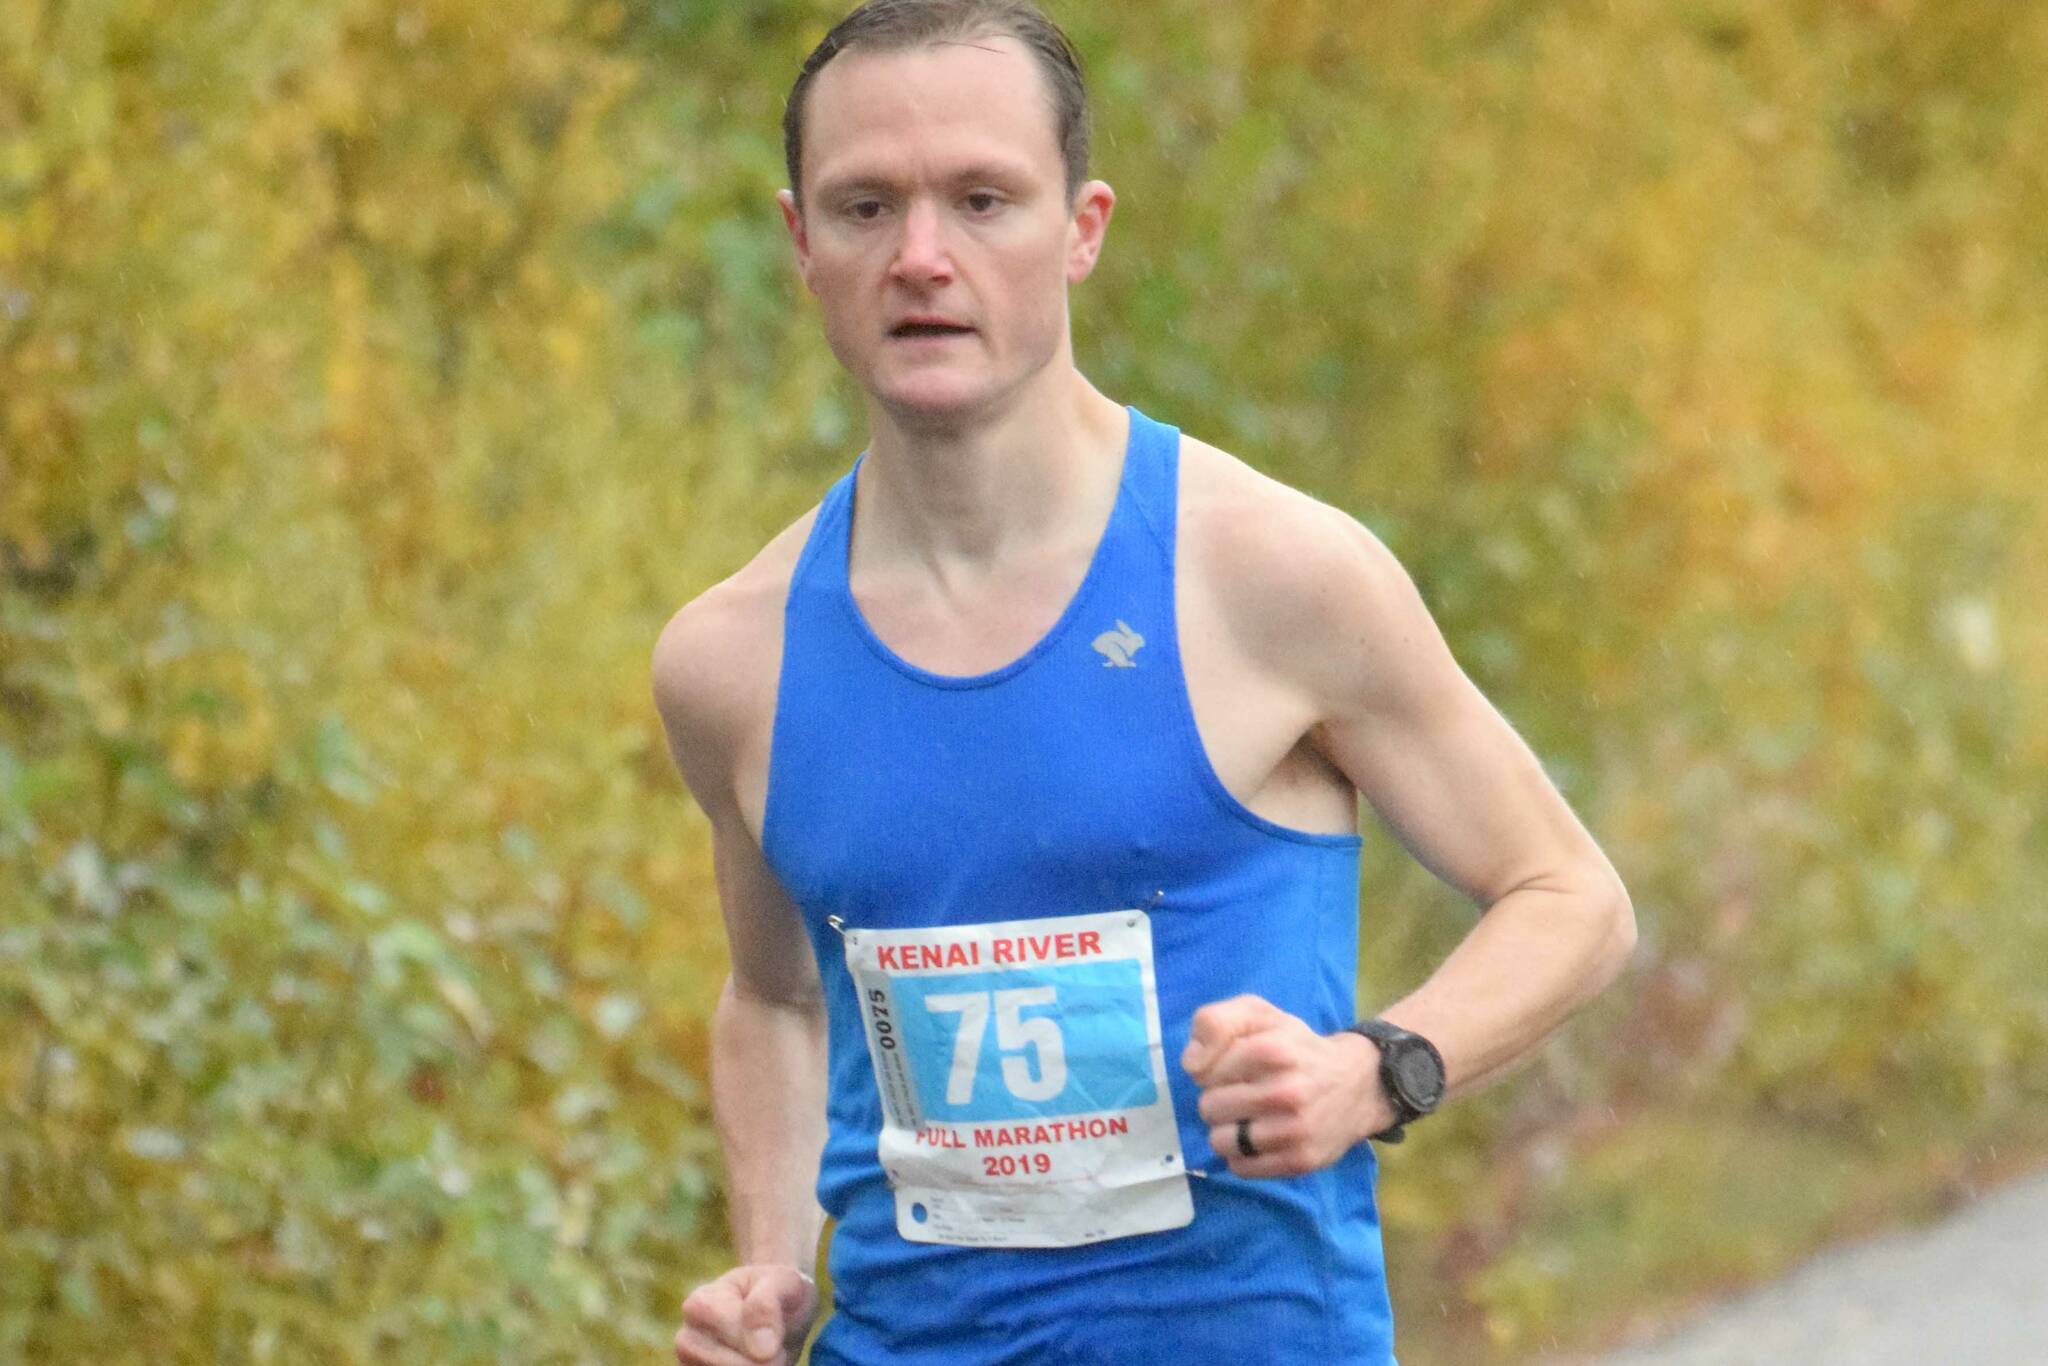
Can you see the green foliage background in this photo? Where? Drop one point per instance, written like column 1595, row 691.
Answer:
column 375, row 378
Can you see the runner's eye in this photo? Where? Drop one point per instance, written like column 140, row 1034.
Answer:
column 981, row 201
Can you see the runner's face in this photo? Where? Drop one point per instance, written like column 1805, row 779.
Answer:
column 936, row 231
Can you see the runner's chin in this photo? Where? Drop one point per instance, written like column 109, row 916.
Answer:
column 942, row 370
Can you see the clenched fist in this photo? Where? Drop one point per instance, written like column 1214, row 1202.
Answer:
column 750, row 1316
column 1308, row 1097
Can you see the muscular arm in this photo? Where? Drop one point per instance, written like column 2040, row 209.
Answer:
column 1465, row 796
column 768, row 1030
column 1314, row 619
column 768, row 1097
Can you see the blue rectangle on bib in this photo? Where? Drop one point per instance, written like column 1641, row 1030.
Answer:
column 1066, row 1039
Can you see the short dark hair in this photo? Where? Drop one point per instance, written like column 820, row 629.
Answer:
column 894, row 25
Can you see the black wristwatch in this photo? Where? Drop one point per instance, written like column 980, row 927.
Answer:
column 1411, row 1072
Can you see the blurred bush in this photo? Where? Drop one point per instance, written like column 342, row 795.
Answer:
column 375, row 378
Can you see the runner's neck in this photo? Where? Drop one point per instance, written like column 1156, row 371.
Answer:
column 1041, row 472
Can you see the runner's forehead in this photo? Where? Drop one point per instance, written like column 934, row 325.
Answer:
column 933, row 113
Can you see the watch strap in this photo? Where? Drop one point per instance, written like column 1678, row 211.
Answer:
column 1384, row 1033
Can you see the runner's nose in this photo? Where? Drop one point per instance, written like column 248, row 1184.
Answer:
column 921, row 254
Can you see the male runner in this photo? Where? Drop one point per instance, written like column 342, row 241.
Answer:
column 1032, row 759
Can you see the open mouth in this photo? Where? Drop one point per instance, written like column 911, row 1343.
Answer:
column 929, row 330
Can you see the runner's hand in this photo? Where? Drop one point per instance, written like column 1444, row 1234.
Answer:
column 1310, row 1097
column 751, row 1316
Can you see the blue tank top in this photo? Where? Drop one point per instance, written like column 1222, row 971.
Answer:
column 1070, row 782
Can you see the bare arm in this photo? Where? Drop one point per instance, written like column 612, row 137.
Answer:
column 768, row 1029
column 768, row 1091
column 1466, row 796
column 1327, row 611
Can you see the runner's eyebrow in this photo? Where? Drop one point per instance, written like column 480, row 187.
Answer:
column 998, row 174
column 988, row 173
column 852, row 186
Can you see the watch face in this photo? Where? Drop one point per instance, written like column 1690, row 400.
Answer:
column 1417, row 1074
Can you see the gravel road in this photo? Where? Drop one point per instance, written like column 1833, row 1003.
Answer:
column 1969, row 1291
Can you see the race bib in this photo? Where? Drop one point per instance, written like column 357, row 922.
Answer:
column 1023, row 1081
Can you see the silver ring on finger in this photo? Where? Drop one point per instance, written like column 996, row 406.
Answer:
column 1244, row 1138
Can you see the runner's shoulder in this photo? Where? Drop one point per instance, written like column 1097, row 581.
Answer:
column 715, row 664
column 1280, row 566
